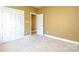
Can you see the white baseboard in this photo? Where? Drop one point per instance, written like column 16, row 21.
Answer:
column 62, row 39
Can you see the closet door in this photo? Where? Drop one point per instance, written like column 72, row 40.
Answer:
column 1, row 24
column 13, row 24
column 19, row 30
column 7, row 25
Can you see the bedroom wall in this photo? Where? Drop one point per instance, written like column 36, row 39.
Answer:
column 61, row 21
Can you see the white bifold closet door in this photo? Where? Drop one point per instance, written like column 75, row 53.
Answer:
column 19, row 21
column 8, row 29
column 13, row 24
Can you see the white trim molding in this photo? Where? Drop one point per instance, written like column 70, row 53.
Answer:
column 62, row 39
column 31, row 13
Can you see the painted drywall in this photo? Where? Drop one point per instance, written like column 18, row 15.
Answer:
column 61, row 21
column 33, row 22
column 27, row 10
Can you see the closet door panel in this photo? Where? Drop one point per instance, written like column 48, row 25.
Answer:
column 19, row 24
column 13, row 24
column 7, row 25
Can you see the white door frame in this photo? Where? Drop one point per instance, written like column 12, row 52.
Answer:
column 31, row 13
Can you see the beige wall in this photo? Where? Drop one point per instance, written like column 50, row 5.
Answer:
column 27, row 10
column 58, row 21
column 61, row 21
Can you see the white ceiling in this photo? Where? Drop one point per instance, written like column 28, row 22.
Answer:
column 37, row 6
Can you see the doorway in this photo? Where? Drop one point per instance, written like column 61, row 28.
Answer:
column 36, row 24
column 33, row 24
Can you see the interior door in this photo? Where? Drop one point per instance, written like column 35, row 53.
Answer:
column 39, row 24
column 19, row 30
column 7, row 25
column 13, row 24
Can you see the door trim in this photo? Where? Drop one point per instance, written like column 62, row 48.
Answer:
column 31, row 13
column 31, row 23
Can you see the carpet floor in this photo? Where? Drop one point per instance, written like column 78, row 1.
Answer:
column 36, row 43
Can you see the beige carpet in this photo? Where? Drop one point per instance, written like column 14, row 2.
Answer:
column 36, row 43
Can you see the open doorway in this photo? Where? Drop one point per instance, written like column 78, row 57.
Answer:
column 36, row 24
column 33, row 24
